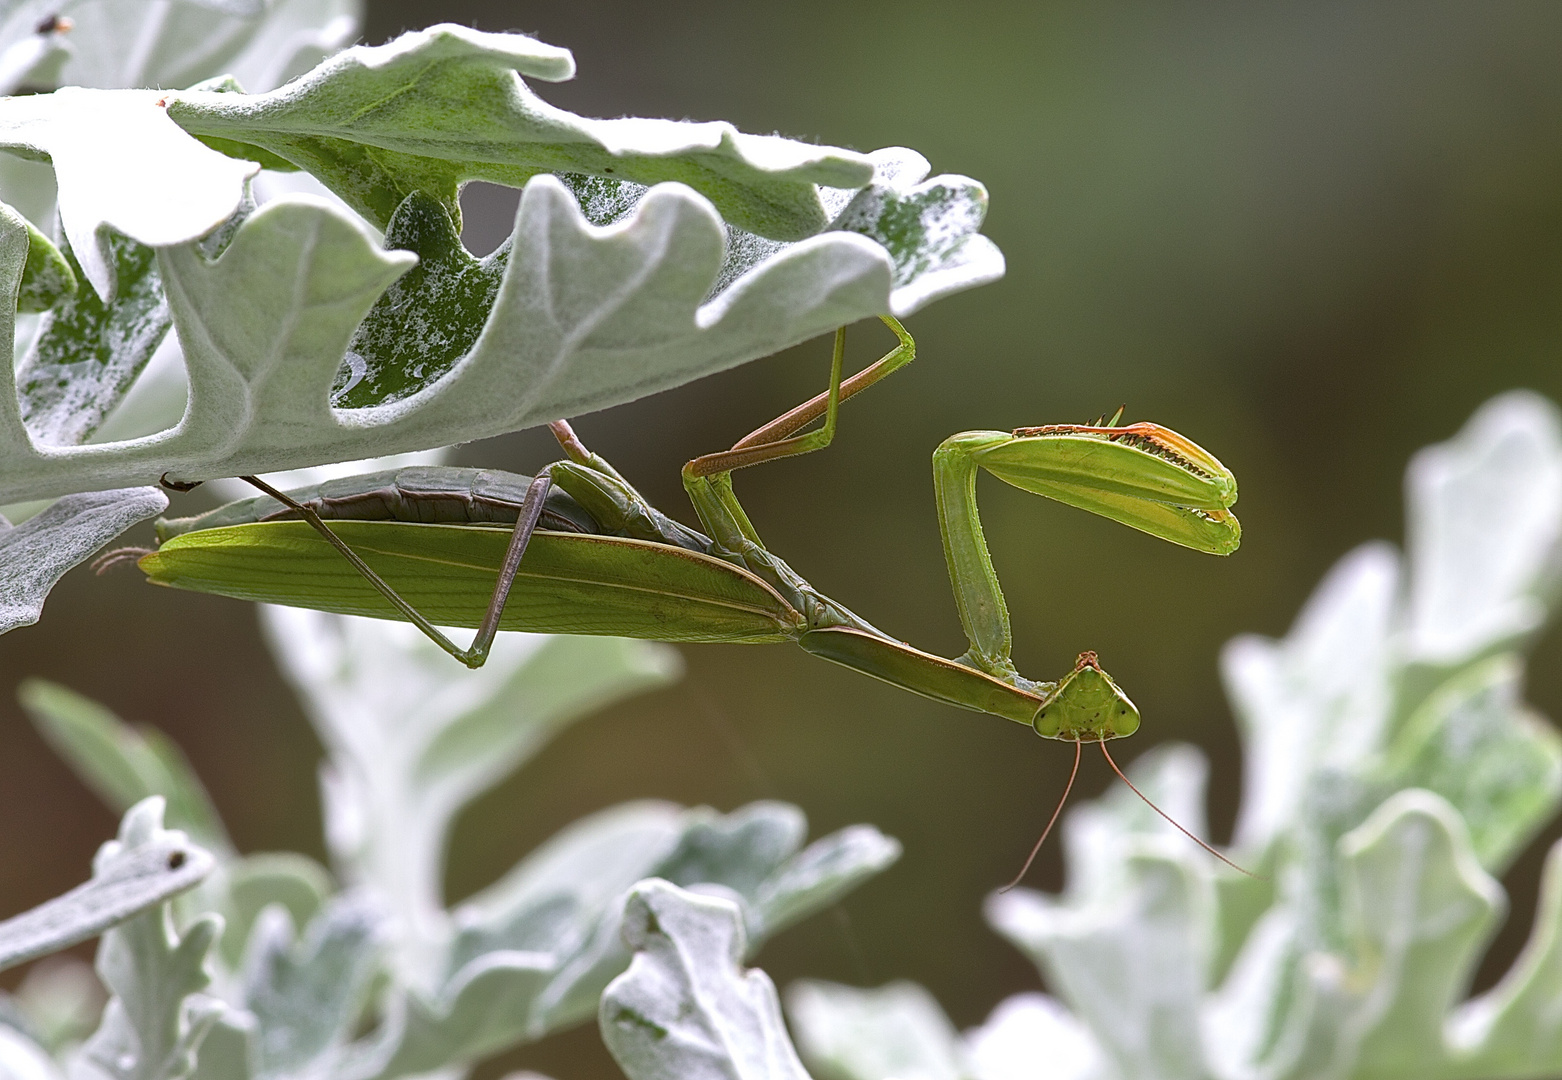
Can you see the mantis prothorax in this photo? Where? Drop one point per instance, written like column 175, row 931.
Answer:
column 578, row 550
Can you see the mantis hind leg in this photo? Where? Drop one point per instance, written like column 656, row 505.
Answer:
column 708, row 479
column 779, row 438
column 476, row 654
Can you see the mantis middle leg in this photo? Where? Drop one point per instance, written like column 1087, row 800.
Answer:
column 476, row 654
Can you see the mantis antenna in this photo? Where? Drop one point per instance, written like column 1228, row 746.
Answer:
column 1053, row 820
column 1120, row 775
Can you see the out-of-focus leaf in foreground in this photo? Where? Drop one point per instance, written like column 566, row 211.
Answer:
column 686, row 1009
column 146, row 866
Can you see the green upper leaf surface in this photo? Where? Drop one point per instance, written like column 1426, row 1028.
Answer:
column 88, row 351
column 444, row 105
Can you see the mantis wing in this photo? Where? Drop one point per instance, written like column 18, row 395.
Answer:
column 569, row 583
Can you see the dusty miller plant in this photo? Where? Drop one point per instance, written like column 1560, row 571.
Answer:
column 273, row 966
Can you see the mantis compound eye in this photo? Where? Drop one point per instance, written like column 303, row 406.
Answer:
column 1087, row 705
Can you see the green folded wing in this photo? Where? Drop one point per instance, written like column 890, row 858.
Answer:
column 568, row 583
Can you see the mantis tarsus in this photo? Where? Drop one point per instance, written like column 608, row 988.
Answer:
column 578, row 550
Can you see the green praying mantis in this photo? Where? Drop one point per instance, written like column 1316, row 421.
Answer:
column 577, row 550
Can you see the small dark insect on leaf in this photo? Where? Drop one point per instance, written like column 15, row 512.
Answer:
column 54, row 24
column 175, row 860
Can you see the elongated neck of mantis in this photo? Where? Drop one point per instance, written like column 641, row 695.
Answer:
column 983, row 613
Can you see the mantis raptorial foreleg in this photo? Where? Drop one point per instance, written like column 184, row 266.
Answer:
column 1143, row 475
column 778, row 439
column 476, row 654
column 978, row 598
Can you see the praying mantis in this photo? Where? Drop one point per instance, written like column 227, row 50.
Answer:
column 577, row 550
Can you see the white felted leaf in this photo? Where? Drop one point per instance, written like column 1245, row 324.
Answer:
column 686, row 1009
column 143, row 868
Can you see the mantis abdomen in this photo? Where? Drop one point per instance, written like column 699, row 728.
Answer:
column 427, row 494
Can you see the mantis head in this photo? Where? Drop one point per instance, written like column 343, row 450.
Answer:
column 1143, row 475
column 1087, row 706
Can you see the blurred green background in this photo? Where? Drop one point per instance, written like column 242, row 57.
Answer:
column 1312, row 236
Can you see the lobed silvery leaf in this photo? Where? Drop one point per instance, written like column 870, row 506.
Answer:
column 896, row 1030
column 1514, row 1029
column 174, row 44
column 356, row 124
column 145, row 867
column 429, row 319
column 1101, row 837
column 1475, row 586
column 1134, row 969
column 726, row 854
column 306, row 995
column 263, row 42
column 168, row 188
column 1318, row 699
column 532, row 953
column 37, row 553
column 1475, row 743
column 1422, row 909
column 157, row 1017
column 685, row 1009
column 1130, row 943
column 34, row 555
column 817, row 876
column 276, row 879
column 123, row 764
column 583, row 318
column 412, row 739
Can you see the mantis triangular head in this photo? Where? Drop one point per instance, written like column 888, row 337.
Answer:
column 1087, row 706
